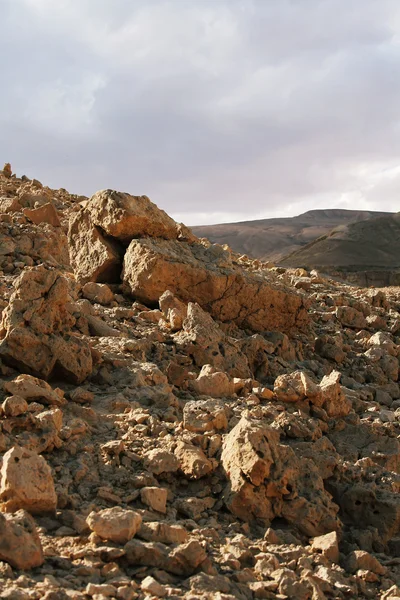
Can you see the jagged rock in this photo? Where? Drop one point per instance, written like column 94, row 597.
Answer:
column 19, row 541
column 295, row 386
column 267, row 480
column 332, row 398
column 359, row 559
column 93, row 256
column 213, row 383
column 26, row 482
column 36, row 328
column 155, row 498
column 205, row 415
column 43, row 214
column 195, row 273
column 115, row 524
column 351, row 317
column 161, row 461
column 32, row 388
column 174, row 310
column 125, row 217
column 8, row 205
column 182, row 560
column 98, row 292
column 327, row 545
column 13, row 406
column 151, row 586
column 192, row 460
column 7, row 170
column 163, row 532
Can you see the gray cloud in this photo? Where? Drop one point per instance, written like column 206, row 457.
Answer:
column 217, row 109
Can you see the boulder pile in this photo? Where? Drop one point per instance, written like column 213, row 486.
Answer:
column 178, row 421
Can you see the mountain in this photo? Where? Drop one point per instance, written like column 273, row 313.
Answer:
column 274, row 239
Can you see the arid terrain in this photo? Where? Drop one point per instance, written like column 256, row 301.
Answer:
column 181, row 421
column 360, row 246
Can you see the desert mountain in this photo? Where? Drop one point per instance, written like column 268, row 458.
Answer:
column 274, row 239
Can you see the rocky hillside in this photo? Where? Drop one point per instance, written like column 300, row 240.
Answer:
column 274, row 239
column 178, row 421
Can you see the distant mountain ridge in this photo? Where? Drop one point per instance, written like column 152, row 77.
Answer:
column 282, row 239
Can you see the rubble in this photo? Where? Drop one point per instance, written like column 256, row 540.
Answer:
column 179, row 421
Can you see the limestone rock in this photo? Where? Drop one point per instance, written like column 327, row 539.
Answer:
column 19, row 541
column 267, row 480
column 26, row 482
column 213, row 383
column 125, row 217
column 192, row 460
column 205, row 415
column 115, row 524
column 32, row 388
column 46, row 213
column 155, row 498
column 93, row 256
column 195, row 273
column 295, row 386
column 98, row 292
column 36, row 328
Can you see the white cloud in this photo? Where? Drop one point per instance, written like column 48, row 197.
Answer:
column 217, row 109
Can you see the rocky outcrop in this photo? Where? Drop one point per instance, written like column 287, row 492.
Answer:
column 205, row 275
column 267, row 480
column 36, row 328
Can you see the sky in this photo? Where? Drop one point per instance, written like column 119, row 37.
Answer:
column 218, row 110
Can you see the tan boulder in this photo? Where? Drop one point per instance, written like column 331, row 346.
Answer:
column 206, row 275
column 19, row 541
column 268, row 480
column 192, row 460
column 205, row 415
column 155, row 498
column 26, row 482
column 332, row 398
column 167, row 533
column 46, row 213
column 115, row 524
column 213, row 383
column 93, row 256
column 296, row 386
column 32, row 388
column 173, row 309
column 159, row 461
column 97, row 292
column 36, row 328
column 125, row 217
column 327, row 545
column 13, row 406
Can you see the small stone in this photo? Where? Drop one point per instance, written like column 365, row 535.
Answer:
column 151, row 586
column 115, row 524
column 13, row 406
column 327, row 545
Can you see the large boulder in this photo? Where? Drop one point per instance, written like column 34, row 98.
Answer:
column 126, row 217
column 206, row 275
column 36, row 328
column 26, row 482
column 93, row 257
column 267, row 480
column 19, row 541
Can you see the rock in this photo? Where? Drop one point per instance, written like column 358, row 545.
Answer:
column 32, row 388
column 8, row 205
column 174, row 310
column 44, row 214
column 327, row 545
column 125, row 217
column 26, row 482
column 205, row 415
column 93, row 256
column 163, row 532
column 155, row 498
column 7, row 170
column 332, row 398
column 19, row 541
column 359, row 559
column 192, row 460
column 213, row 383
column 161, row 461
column 13, row 406
column 350, row 317
column 98, row 292
column 195, row 273
column 115, row 524
column 36, row 327
column 151, row 586
column 295, row 386
column 267, row 480
column 182, row 560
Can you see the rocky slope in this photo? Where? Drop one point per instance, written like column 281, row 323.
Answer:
column 275, row 239
column 178, row 421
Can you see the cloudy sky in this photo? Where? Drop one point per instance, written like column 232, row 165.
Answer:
column 218, row 110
